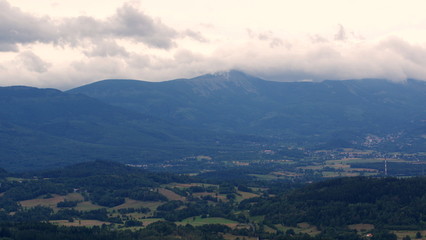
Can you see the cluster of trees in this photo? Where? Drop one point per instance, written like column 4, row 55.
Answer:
column 166, row 231
column 104, row 183
column 178, row 211
column 40, row 213
column 385, row 202
column 159, row 230
column 331, row 205
column 133, row 210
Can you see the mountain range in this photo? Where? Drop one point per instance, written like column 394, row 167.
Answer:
column 237, row 103
column 135, row 121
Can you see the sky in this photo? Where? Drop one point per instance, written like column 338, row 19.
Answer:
column 68, row 43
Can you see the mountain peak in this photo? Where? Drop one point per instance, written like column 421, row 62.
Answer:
column 224, row 80
column 231, row 75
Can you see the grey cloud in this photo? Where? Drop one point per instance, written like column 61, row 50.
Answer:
column 341, row 34
column 107, row 48
column 394, row 59
column 17, row 27
column 127, row 23
column 412, row 53
column 132, row 23
column 8, row 47
column 139, row 61
column 194, row 35
column 75, row 30
column 268, row 37
column 318, row 39
column 33, row 62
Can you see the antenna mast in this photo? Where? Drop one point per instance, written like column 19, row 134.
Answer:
column 386, row 167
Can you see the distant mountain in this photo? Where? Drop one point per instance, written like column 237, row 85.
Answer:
column 227, row 114
column 42, row 128
column 234, row 102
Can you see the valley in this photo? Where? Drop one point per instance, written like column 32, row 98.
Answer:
column 219, row 156
column 129, row 198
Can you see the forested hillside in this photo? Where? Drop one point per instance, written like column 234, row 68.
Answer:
column 123, row 202
column 338, row 113
column 384, row 202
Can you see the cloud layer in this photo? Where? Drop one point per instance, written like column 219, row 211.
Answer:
column 43, row 51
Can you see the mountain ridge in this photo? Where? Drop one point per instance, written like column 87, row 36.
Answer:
column 243, row 101
column 135, row 121
column 52, row 128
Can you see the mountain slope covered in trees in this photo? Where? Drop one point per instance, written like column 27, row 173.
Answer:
column 309, row 112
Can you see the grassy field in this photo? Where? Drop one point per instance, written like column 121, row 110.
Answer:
column 245, row 195
column 198, row 221
column 182, row 185
column 148, row 221
column 361, row 227
column 51, row 202
column 74, row 197
column 412, row 234
column 342, row 167
column 361, row 160
column 87, row 206
column 266, row 177
column 256, row 219
column 76, row 223
column 45, row 202
column 130, row 203
column 171, row 195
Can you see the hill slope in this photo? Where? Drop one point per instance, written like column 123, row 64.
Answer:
column 45, row 128
column 299, row 111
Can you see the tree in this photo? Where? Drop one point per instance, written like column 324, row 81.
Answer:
column 290, row 231
column 406, row 238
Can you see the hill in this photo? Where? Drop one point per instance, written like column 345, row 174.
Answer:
column 383, row 202
column 328, row 112
column 41, row 128
column 227, row 116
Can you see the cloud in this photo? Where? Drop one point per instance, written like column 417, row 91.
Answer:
column 130, row 22
column 196, row 35
column 312, row 59
column 106, row 48
column 8, row 47
column 341, row 34
column 129, row 43
column 392, row 58
column 32, row 62
column 415, row 54
column 19, row 27
column 127, row 23
column 268, row 37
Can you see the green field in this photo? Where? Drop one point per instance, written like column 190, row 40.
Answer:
column 130, row 203
column 78, row 223
column 52, row 201
column 87, row 206
column 198, row 221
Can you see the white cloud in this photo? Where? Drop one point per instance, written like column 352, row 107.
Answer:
column 282, row 41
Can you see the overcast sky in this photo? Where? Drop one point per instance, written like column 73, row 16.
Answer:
column 67, row 43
